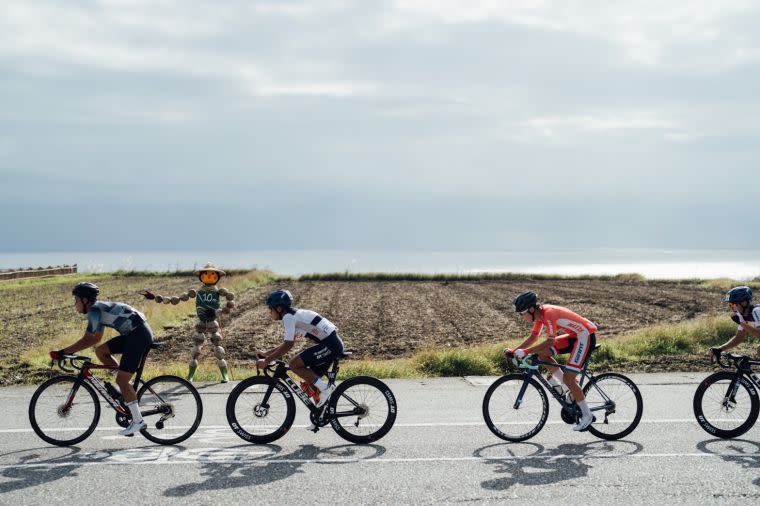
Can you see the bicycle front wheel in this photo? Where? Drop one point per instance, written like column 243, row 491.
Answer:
column 515, row 407
column 260, row 409
column 362, row 409
column 64, row 410
column 171, row 408
column 726, row 404
column 616, row 403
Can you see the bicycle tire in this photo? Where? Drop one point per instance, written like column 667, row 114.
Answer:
column 499, row 412
column 247, row 417
column 372, row 407
column 47, row 417
column 714, row 414
column 183, row 402
column 621, row 402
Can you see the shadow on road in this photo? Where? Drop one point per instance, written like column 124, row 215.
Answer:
column 739, row 451
column 30, row 470
column 270, row 468
column 532, row 464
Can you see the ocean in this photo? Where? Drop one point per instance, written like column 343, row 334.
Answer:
column 651, row 263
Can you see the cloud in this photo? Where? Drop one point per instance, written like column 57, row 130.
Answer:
column 411, row 120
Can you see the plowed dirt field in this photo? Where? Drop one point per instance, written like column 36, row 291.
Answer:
column 391, row 319
column 376, row 319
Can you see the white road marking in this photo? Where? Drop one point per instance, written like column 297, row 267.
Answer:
column 412, row 424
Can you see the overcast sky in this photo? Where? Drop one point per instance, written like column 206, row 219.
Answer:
column 412, row 124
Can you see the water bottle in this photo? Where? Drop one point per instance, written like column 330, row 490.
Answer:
column 112, row 391
column 311, row 390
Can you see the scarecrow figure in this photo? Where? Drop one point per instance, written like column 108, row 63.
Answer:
column 207, row 307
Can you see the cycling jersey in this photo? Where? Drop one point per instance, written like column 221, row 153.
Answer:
column 579, row 333
column 753, row 317
column 121, row 317
column 558, row 317
column 303, row 322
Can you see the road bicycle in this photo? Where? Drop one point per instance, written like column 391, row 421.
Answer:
column 516, row 407
column 65, row 410
column 726, row 403
column 261, row 408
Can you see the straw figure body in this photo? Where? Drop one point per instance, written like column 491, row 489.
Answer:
column 208, row 308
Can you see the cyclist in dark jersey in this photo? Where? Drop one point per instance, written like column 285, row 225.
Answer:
column 745, row 314
column 133, row 342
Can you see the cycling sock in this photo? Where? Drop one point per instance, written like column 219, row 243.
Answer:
column 559, row 375
column 320, row 383
column 134, row 408
column 584, row 408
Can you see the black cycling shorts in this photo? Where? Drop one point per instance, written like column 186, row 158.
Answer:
column 318, row 358
column 132, row 347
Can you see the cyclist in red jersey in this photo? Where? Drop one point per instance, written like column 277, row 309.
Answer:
column 577, row 338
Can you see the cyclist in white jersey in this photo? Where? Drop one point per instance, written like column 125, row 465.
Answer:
column 313, row 362
column 133, row 342
column 745, row 314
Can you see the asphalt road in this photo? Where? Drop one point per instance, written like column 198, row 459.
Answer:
column 439, row 451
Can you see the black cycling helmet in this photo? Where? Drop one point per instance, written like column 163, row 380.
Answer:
column 525, row 301
column 86, row 290
column 280, row 298
column 738, row 294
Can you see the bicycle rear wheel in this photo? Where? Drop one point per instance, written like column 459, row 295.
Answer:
column 362, row 409
column 726, row 404
column 260, row 409
column 616, row 403
column 512, row 416
column 171, row 408
column 64, row 410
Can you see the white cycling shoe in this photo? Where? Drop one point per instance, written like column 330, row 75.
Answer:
column 132, row 428
column 324, row 395
column 584, row 422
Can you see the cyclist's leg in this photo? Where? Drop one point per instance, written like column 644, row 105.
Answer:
column 562, row 344
column 136, row 345
column 583, row 343
column 323, row 353
column 105, row 351
column 303, row 363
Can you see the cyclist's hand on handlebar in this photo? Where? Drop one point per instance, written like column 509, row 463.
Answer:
column 57, row 355
column 520, row 353
column 262, row 363
column 509, row 352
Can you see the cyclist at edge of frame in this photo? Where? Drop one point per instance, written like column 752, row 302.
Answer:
column 745, row 314
column 578, row 339
column 299, row 323
column 133, row 342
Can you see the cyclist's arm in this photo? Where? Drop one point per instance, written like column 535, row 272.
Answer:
column 739, row 338
column 524, row 345
column 277, row 352
column 87, row 340
column 749, row 330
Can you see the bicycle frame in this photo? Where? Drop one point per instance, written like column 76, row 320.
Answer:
column 742, row 365
column 85, row 374
column 280, row 374
column 585, row 375
column 318, row 414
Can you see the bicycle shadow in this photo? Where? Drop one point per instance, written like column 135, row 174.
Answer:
column 743, row 452
column 30, row 471
column 531, row 464
column 266, row 469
